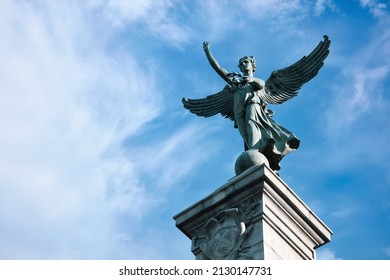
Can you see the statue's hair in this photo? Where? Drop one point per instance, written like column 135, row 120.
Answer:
column 251, row 59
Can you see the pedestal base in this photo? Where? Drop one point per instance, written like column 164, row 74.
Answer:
column 253, row 216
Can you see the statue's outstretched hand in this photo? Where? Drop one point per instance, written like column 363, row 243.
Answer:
column 206, row 46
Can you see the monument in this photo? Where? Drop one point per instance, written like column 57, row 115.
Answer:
column 255, row 215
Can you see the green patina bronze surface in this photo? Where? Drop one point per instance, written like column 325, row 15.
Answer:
column 244, row 100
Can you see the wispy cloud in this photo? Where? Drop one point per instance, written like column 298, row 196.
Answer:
column 76, row 165
column 156, row 17
column 359, row 96
column 167, row 159
column 345, row 211
column 226, row 16
column 280, row 9
column 362, row 92
column 322, row 5
column 326, row 254
column 67, row 107
column 377, row 8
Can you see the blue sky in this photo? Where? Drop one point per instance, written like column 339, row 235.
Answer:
column 98, row 154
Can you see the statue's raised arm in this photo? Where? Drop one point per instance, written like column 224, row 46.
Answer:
column 214, row 63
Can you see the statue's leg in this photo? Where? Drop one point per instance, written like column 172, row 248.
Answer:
column 241, row 124
column 252, row 128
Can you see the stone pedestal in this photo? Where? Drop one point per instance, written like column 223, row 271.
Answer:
column 253, row 216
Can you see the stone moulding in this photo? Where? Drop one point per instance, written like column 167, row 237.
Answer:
column 255, row 215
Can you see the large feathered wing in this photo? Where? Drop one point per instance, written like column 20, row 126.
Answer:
column 220, row 102
column 285, row 83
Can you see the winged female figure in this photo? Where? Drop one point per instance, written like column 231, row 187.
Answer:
column 244, row 100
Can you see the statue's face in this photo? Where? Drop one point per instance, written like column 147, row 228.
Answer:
column 245, row 65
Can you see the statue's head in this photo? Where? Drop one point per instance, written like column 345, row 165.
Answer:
column 244, row 59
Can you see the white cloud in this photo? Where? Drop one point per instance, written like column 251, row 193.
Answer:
column 71, row 111
column 124, row 11
column 326, row 254
column 225, row 17
column 274, row 8
column 321, row 5
column 343, row 212
column 362, row 90
column 66, row 108
column 169, row 159
column 357, row 98
column 377, row 8
column 157, row 16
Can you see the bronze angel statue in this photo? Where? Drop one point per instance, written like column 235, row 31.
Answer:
column 244, row 100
